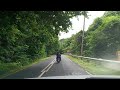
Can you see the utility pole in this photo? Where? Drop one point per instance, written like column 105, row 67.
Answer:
column 83, row 35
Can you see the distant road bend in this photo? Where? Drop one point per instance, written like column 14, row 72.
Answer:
column 50, row 68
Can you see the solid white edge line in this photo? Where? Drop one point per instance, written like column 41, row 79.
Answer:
column 88, row 72
column 82, row 68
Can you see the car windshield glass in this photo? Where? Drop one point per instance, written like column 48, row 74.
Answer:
column 36, row 44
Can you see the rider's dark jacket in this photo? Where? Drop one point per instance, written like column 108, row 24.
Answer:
column 58, row 55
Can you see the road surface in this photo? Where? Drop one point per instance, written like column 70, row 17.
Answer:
column 64, row 68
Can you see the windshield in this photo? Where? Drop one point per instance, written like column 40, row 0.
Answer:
column 36, row 44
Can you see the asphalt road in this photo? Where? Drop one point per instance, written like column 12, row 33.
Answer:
column 64, row 68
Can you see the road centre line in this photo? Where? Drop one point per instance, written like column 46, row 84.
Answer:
column 47, row 67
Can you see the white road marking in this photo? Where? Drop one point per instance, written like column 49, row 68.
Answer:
column 71, row 60
column 84, row 70
column 42, row 74
column 47, row 67
column 88, row 73
column 76, row 73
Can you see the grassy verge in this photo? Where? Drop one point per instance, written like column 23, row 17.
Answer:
column 93, row 68
column 11, row 68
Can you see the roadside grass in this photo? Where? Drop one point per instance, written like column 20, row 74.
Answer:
column 93, row 67
column 11, row 68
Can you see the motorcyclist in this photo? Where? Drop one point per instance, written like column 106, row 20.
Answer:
column 58, row 56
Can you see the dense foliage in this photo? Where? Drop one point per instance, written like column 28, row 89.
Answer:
column 27, row 35
column 102, row 39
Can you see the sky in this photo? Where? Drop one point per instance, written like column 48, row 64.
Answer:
column 78, row 25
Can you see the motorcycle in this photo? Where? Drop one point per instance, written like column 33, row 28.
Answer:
column 58, row 59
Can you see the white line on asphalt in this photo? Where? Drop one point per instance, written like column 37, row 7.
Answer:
column 71, row 60
column 50, row 65
column 42, row 74
column 88, row 73
column 47, row 67
column 85, row 70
